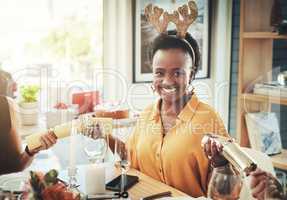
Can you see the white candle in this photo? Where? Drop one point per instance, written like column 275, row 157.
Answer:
column 72, row 150
column 95, row 179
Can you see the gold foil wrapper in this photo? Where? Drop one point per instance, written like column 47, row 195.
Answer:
column 236, row 156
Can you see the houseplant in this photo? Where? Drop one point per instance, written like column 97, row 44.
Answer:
column 29, row 104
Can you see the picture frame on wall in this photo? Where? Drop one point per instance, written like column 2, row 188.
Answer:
column 144, row 33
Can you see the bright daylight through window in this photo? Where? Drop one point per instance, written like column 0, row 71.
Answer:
column 51, row 42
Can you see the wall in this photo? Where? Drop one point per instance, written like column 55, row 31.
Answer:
column 234, row 66
column 279, row 59
column 118, row 59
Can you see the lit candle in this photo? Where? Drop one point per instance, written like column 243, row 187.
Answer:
column 95, row 179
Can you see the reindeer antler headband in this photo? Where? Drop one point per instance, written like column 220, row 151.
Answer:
column 182, row 18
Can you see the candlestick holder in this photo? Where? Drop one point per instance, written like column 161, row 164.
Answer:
column 72, row 173
column 72, row 169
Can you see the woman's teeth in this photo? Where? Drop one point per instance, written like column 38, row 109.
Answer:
column 170, row 90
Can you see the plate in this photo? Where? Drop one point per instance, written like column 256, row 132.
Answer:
column 13, row 182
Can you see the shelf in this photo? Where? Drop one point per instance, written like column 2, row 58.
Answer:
column 280, row 160
column 263, row 35
column 255, row 60
column 264, row 98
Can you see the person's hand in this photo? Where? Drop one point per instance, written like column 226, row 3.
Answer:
column 93, row 131
column 97, row 132
column 263, row 183
column 213, row 149
column 258, row 183
column 47, row 140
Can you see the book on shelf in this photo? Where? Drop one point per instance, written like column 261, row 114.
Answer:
column 264, row 132
column 270, row 89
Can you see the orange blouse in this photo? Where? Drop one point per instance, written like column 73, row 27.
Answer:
column 177, row 159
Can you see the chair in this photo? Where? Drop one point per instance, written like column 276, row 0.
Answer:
column 264, row 162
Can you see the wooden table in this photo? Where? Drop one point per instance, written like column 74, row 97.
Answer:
column 145, row 187
column 148, row 186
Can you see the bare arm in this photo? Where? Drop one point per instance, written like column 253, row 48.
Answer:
column 47, row 141
column 26, row 157
column 113, row 141
column 12, row 158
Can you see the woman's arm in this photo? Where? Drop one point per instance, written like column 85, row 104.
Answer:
column 26, row 157
column 129, row 144
column 47, row 140
column 112, row 142
column 116, row 144
column 260, row 180
column 12, row 158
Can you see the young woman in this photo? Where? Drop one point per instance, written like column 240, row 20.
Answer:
column 166, row 142
column 12, row 158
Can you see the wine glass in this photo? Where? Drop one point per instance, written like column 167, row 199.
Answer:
column 95, row 149
column 95, row 142
column 224, row 185
column 122, row 161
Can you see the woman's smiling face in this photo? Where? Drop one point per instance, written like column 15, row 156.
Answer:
column 171, row 68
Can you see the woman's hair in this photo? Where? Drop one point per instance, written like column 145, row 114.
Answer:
column 10, row 145
column 188, row 45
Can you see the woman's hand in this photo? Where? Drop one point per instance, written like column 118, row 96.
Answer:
column 47, row 140
column 213, row 149
column 265, row 183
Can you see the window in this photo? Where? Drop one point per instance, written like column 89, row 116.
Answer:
column 53, row 43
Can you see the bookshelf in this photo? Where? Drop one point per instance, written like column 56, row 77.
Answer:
column 263, row 35
column 263, row 98
column 280, row 160
column 255, row 61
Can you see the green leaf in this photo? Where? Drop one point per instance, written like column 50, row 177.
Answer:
column 29, row 93
column 51, row 177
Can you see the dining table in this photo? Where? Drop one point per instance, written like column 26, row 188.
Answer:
column 149, row 186
column 58, row 158
column 145, row 187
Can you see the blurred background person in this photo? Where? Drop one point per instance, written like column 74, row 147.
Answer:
column 12, row 157
column 8, row 86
